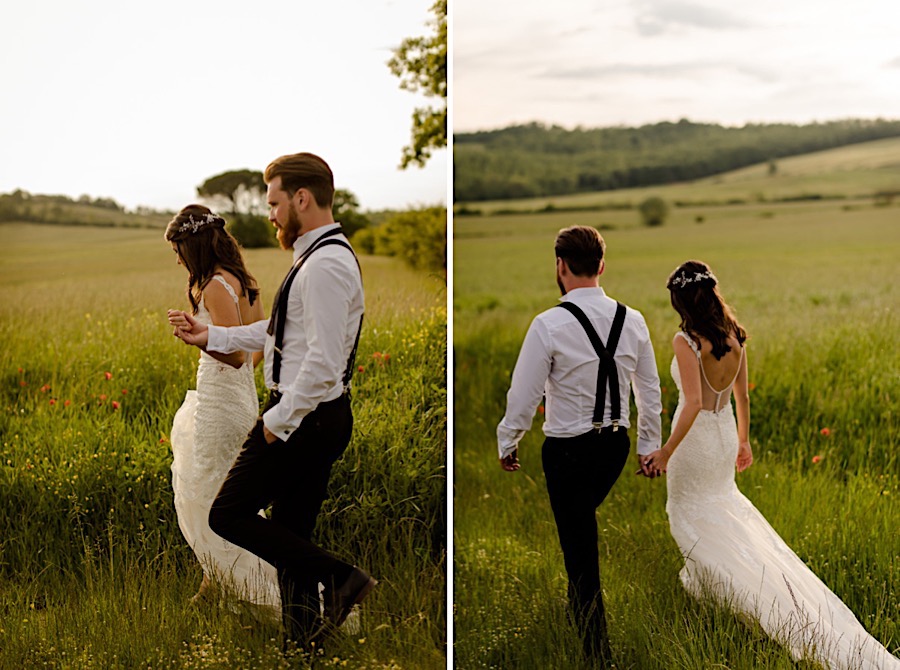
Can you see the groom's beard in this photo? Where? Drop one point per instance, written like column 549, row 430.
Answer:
column 288, row 234
column 562, row 289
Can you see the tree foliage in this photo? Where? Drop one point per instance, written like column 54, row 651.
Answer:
column 418, row 236
column 346, row 211
column 654, row 211
column 536, row 160
column 421, row 65
column 244, row 190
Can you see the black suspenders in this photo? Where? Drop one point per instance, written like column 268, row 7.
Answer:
column 606, row 370
column 279, row 309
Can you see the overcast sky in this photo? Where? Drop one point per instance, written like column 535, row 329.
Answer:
column 630, row 62
column 142, row 101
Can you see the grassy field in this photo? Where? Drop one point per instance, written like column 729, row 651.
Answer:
column 854, row 171
column 815, row 284
column 94, row 572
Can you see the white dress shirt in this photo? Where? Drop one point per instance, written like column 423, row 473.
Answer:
column 323, row 312
column 557, row 361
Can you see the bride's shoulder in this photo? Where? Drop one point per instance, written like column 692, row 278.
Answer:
column 683, row 337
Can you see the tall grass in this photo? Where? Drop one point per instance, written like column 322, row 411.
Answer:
column 815, row 287
column 95, row 572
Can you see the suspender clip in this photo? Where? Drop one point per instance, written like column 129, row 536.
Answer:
column 597, row 426
column 615, row 426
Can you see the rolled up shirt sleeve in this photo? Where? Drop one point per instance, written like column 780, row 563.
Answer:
column 526, row 388
column 645, row 384
column 227, row 340
column 326, row 290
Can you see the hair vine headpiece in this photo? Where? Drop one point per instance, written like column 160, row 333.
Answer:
column 685, row 278
column 193, row 225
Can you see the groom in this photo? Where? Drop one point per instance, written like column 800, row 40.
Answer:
column 572, row 355
column 310, row 345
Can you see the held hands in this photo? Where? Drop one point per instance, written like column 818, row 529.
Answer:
column 654, row 465
column 744, row 457
column 188, row 329
column 511, row 462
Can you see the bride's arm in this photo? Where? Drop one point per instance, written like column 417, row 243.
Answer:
column 742, row 407
column 222, row 312
column 691, row 403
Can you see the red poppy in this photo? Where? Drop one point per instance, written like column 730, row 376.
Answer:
column 52, row 402
column 377, row 354
column 124, row 391
column 387, row 357
column 162, row 440
column 825, row 431
column 816, row 459
column 45, row 388
column 21, row 370
column 23, row 383
column 360, row 368
column 102, row 397
column 108, row 375
column 751, row 386
column 540, row 409
column 115, row 404
column 67, row 403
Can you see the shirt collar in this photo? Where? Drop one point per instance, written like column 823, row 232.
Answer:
column 305, row 241
column 584, row 293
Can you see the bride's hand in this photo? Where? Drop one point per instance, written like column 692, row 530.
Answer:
column 180, row 320
column 744, row 457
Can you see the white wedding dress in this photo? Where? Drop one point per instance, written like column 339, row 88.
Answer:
column 732, row 553
column 207, row 433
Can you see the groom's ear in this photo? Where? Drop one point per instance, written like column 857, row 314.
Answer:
column 602, row 268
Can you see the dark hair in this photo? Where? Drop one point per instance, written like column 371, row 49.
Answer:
column 582, row 248
column 303, row 170
column 203, row 244
column 695, row 295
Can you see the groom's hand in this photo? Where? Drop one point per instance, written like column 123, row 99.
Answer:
column 269, row 435
column 188, row 329
column 511, row 462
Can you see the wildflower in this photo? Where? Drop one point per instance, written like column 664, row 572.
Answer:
column 162, row 440
column 21, row 371
column 376, row 355
column 102, row 397
column 52, row 401
column 751, row 386
column 108, row 375
column 45, row 388
column 386, row 358
column 825, row 431
column 115, row 404
column 360, row 368
column 124, row 391
column 67, row 403
column 816, row 459
column 23, row 383
column 540, row 409
column 664, row 389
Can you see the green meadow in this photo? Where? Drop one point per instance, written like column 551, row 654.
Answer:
column 94, row 572
column 815, row 284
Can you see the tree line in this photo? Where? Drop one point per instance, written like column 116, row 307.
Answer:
column 535, row 160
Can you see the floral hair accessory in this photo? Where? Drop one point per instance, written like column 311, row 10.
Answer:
column 686, row 278
column 193, row 225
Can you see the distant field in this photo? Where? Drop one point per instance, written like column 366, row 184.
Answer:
column 94, row 572
column 855, row 171
column 815, row 283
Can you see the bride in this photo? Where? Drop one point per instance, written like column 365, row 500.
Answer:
column 212, row 423
column 730, row 551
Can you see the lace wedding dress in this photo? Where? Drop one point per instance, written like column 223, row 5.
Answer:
column 207, row 433
column 734, row 555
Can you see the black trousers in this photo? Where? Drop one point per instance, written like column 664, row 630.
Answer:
column 580, row 472
column 292, row 476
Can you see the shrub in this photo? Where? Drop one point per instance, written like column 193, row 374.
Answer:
column 654, row 211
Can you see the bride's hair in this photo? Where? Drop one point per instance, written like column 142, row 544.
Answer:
column 695, row 295
column 203, row 244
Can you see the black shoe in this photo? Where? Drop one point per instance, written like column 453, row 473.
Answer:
column 340, row 601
